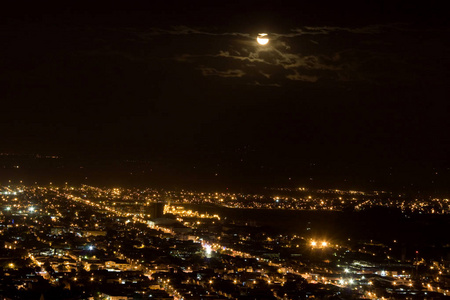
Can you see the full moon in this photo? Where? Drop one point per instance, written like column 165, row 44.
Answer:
column 262, row 39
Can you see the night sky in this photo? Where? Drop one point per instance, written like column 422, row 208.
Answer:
column 344, row 95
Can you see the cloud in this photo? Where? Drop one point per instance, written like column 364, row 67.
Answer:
column 275, row 57
column 302, row 77
column 325, row 30
column 264, row 74
column 251, row 57
column 371, row 29
column 257, row 83
column 228, row 73
column 293, row 33
column 185, row 30
column 305, row 30
column 268, row 65
column 342, row 54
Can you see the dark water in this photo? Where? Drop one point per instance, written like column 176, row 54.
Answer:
column 379, row 224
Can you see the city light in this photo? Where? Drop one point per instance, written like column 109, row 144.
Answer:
column 82, row 217
column 208, row 250
column 322, row 244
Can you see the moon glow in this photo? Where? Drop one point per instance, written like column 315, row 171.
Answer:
column 262, row 39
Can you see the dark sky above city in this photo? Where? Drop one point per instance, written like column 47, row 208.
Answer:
column 343, row 91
